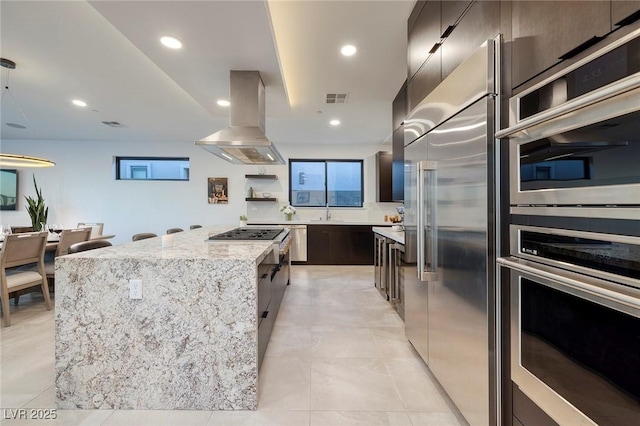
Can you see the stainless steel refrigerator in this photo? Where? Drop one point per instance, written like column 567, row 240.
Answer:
column 450, row 222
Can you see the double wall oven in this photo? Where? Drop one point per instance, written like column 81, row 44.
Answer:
column 574, row 264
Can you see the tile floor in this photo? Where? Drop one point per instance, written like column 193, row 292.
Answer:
column 337, row 356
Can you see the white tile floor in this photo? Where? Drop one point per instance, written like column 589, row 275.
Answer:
column 337, row 356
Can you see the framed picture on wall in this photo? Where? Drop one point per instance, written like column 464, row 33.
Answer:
column 217, row 190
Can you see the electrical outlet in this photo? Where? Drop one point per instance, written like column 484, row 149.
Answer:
column 135, row 289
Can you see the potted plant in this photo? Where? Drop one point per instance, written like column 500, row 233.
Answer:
column 243, row 220
column 37, row 210
column 288, row 211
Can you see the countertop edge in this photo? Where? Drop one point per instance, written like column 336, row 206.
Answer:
column 397, row 236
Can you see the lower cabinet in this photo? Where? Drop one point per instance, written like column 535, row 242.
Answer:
column 339, row 245
column 271, row 287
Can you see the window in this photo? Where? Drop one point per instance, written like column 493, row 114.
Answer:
column 152, row 168
column 316, row 183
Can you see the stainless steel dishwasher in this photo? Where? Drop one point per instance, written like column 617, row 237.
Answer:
column 299, row 244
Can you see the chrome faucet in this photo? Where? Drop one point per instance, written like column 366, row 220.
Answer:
column 328, row 213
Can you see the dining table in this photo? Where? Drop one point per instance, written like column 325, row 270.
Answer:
column 54, row 239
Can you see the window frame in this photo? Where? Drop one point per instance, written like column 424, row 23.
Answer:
column 119, row 167
column 326, row 190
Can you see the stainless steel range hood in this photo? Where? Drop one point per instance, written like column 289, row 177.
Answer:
column 244, row 141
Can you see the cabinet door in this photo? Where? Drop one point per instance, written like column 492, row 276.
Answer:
column 399, row 107
column 424, row 33
column 318, row 252
column 424, row 81
column 481, row 22
column 383, row 177
column 544, row 31
column 397, row 165
column 451, row 12
column 621, row 9
column 360, row 242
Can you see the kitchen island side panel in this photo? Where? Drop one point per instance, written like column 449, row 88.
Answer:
column 190, row 342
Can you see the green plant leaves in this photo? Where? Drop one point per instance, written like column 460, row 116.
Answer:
column 36, row 208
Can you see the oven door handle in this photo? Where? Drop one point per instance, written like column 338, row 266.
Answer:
column 542, row 271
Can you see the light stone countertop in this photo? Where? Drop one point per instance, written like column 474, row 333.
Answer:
column 317, row 222
column 190, row 343
column 190, row 244
column 397, row 236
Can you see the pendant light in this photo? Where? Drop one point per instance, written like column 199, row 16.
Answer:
column 12, row 160
column 6, row 93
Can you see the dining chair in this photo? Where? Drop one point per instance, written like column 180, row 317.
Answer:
column 88, row 245
column 143, row 236
column 195, row 226
column 68, row 237
column 174, row 230
column 96, row 228
column 20, row 250
column 21, row 229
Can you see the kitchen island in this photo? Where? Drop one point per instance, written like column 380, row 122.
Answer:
column 190, row 342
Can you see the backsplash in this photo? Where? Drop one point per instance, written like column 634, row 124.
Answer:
column 370, row 212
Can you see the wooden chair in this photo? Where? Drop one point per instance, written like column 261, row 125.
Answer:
column 143, row 236
column 88, row 245
column 68, row 237
column 96, row 228
column 20, row 250
column 195, row 226
column 21, row 229
column 174, row 230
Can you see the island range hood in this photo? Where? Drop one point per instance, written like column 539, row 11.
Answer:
column 244, row 141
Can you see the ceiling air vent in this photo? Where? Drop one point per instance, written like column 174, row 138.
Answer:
column 112, row 124
column 336, row 98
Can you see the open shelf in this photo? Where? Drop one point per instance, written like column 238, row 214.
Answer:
column 272, row 177
column 261, row 199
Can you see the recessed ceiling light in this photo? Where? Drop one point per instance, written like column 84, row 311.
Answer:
column 334, row 122
column 171, row 42
column 348, row 50
column 78, row 102
column 223, row 102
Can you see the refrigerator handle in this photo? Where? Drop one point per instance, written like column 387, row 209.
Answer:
column 426, row 221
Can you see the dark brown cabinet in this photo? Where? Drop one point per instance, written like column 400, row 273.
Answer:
column 399, row 108
column 546, row 31
column 422, row 35
column 397, row 165
column 383, row 177
column 339, row 245
column 480, row 22
column 425, row 80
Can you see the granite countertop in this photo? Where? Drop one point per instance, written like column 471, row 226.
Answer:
column 190, row 244
column 318, row 222
column 397, row 236
column 190, row 342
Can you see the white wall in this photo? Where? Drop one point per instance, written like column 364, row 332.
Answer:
column 81, row 187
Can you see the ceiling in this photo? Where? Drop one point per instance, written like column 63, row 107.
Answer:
column 108, row 54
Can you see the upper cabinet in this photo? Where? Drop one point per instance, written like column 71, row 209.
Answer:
column 424, row 72
column 383, row 177
column 546, row 32
column 467, row 25
column 622, row 10
column 399, row 108
column 442, row 34
column 423, row 34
